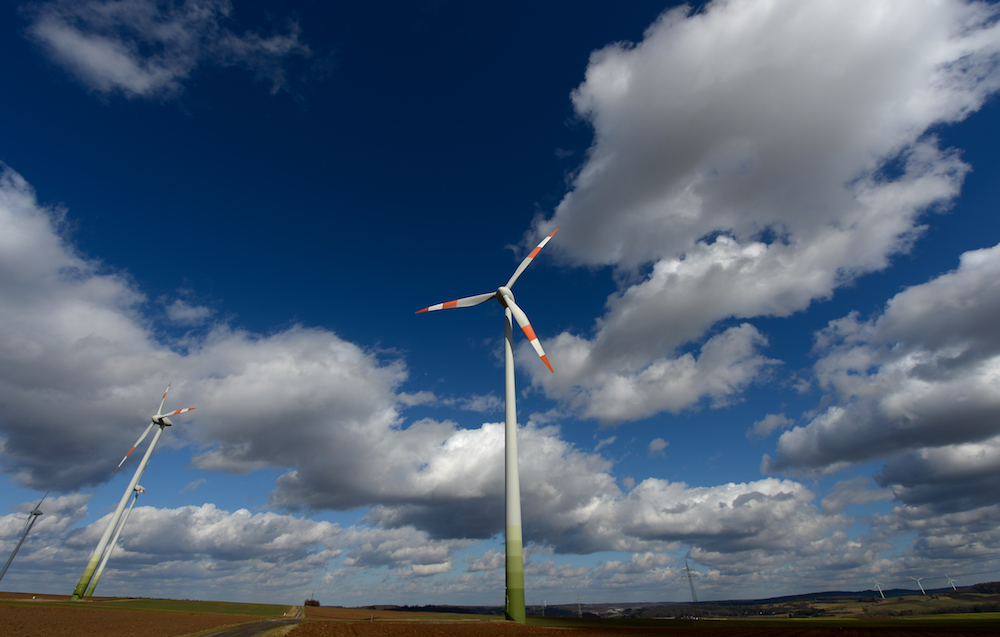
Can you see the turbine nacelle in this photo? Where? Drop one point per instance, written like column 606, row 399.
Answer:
column 158, row 419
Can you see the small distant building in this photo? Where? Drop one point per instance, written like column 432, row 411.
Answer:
column 312, row 602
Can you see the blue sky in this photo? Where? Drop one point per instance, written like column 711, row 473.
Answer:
column 769, row 306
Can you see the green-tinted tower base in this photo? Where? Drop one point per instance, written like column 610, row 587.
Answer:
column 515, row 576
column 88, row 573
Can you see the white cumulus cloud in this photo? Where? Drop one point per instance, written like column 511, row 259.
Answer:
column 749, row 158
column 922, row 376
column 145, row 48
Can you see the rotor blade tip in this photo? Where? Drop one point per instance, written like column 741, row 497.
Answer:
column 545, row 359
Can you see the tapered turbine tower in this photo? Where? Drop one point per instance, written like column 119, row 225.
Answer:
column 114, row 541
column 515, row 560
column 159, row 419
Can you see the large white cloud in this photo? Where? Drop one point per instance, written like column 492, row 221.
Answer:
column 79, row 358
column 145, row 48
column 233, row 554
column 226, row 554
column 923, row 379
column 749, row 158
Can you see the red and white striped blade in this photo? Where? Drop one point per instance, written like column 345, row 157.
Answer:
column 522, row 320
column 179, row 411
column 159, row 412
column 468, row 301
column 132, row 449
column 528, row 259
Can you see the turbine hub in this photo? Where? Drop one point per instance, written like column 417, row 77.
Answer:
column 503, row 293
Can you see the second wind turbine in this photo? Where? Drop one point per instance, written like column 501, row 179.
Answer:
column 159, row 419
column 515, row 560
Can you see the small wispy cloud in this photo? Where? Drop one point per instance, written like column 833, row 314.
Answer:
column 183, row 313
column 483, row 404
column 767, row 425
column 193, row 485
column 656, row 447
column 604, row 443
column 144, row 48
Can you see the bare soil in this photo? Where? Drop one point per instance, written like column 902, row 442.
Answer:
column 48, row 621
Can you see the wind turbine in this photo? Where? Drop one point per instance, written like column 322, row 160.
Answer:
column 113, row 543
column 952, row 582
column 917, row 580
column 161, row 420
column 503, row 295
column 28, row 523
column 879, row 587
column 690, row 576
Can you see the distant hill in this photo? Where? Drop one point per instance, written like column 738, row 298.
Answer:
column 979, row 598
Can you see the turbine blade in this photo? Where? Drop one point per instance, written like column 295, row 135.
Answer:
column 180, row 411
column 159, row 412
column 528, row 259
column 133, row 447
column 43, row 499
column 468, row 301
column 522, row 320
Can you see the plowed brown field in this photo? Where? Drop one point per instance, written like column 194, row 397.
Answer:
column 47, row 621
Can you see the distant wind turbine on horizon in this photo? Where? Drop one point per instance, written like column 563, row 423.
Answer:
column 917, row 580
column 513, row 549
column 879, row 587
column 161, row 420
column 952, row 582
column 690, row 575
column 28, row 523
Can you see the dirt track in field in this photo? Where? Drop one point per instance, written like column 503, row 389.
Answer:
column 46, row 621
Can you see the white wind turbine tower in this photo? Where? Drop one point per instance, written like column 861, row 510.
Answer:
column 917, row 580
column 503, row 295
column 114, row 542
column 690, row 575
column 952, row 582
column 160, row 420
column 28, row 523
column 879, row 587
